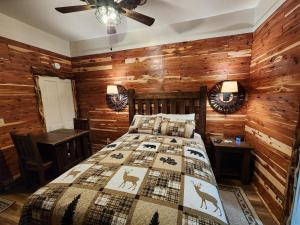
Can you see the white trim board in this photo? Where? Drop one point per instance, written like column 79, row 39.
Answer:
column 245, row 21
column 22, row 32
column 262, row 18
column 234, row 23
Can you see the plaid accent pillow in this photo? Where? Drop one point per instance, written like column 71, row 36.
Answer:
column 145, row 124
column 177, row 127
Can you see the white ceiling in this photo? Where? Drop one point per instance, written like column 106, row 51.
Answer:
column 83, row 25
column 185, row 19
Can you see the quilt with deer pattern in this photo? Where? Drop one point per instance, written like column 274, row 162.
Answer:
column 139, row 179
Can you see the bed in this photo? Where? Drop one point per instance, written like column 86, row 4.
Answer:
column 138, row 179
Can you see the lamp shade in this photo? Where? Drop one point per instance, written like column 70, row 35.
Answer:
column 112, row 90
column 229, row 87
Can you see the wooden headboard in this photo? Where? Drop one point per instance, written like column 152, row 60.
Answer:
column 170, row 103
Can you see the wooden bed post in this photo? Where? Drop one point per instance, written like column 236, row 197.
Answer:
column 131, row 104
column 202, row 113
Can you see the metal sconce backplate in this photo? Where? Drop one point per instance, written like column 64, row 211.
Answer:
column 119, row 101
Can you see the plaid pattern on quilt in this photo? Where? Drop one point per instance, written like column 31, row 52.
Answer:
column 139, row 179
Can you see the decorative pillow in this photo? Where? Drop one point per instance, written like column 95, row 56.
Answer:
column 177, row 127
column 145, row 124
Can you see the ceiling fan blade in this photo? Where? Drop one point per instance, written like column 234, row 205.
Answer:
column 147, row 20
column 75, row 8
column 111, row 30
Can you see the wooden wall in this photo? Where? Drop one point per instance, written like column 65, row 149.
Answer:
column 273, row 104
column 17, row 97
column 173, row 67
column 269, row 68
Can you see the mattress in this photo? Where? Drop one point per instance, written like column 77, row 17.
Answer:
column 138, row 179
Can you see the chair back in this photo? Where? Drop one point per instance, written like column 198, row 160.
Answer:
column 81, row 124
column 26, row 149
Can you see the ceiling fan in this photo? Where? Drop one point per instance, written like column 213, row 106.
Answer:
column 108, row 11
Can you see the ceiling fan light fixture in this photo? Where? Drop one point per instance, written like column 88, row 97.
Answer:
column 107, row 15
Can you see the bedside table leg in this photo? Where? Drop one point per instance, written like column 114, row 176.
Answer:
column 246, row 167
column 218, row 164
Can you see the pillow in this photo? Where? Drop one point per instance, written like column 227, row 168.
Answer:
column 145, row 124
column 178, row 116
column 178, row 127
column 199, row 138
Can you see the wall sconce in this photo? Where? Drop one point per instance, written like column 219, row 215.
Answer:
column 227, row 97
column 112, row 90
column 116, row 97
column 229, row 87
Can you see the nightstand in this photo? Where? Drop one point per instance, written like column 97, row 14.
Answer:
column 231, row 159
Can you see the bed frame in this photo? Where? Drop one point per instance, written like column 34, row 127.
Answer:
column 170, row 103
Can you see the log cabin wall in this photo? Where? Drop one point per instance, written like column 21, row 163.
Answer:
column 173, row 67
column 273, row 104
column 17, row 97
column 272, row 80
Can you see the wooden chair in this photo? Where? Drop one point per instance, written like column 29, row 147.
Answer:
column 29, row 156
column 81, row 124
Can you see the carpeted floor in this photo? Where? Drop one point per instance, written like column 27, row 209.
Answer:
column 237, row 206
column 5, row 203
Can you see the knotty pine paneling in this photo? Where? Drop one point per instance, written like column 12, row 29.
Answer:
column 173, row 67
column 268, row 68
column 273, row 104
column 17, row 97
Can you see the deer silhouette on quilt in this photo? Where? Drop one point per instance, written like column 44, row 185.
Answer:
column 205, row 197
column 129, row 179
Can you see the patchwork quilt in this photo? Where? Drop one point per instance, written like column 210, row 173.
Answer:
column 139, row 179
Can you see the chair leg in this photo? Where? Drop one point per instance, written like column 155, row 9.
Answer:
column 42, row 177
column 32, row 178
column 26, row 176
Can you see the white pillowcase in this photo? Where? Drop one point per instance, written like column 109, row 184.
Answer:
column 198, row 138
column 178, row 116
